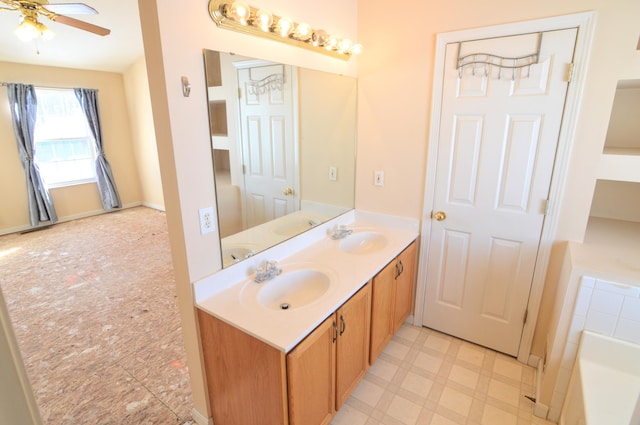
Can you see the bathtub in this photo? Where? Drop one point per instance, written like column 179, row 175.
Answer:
column 605, row 383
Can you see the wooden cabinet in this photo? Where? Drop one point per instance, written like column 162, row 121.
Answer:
column 382, row 310
column 327, row 365
column 405, row 282
column 311, row 376
column 392, row 299
column 245, row 376
column 352, row 354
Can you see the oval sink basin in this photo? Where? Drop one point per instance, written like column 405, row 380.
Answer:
column 363, row 243
column 233, row 255
column 293, row 289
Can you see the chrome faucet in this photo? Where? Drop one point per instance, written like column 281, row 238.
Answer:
column 268, row 271
column 340, row 232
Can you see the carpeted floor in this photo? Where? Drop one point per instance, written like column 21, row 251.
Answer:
column 94, row 310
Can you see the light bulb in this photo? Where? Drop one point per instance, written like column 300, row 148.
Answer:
column 27, row 30
column 45, row 32
column 240, row 12
column 356, row 49
column 344, row 45
column 331, row 43
column 303, row 31
column 320, row 37
column 285, row 25
column 264, row 19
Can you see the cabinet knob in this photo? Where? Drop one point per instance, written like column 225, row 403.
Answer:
column 440, row 216
column 343, row 326
column 335, row 329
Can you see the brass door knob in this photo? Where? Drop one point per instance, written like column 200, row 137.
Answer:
column 440, row 216
column 288, row 192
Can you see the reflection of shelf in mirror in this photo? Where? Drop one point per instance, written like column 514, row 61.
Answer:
column 221, row 143
column 217, row 93
column 212, row 69
column 218, row 117
column 622, row 164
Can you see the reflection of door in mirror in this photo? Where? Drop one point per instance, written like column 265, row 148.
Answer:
column 267, row 105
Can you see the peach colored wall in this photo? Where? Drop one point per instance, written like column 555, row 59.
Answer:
column 395, row 75
column 71, row 201
column 327, row 137
column 136, row 87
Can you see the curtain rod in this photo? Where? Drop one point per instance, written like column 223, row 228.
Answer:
column 3, row 84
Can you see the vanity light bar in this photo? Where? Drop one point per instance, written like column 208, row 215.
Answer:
column 241, row 17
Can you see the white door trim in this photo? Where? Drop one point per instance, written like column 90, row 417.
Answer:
column 585, row 22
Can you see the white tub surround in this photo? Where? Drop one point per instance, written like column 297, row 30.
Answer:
column 229, row 295
column 605, row 383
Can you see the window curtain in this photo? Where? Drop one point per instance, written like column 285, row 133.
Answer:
column 106, row 183
column 23, row 105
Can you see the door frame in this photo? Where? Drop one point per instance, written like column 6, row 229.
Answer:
column 585, row 22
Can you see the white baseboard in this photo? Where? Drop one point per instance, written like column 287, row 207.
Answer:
column 154, row 206
column 200, row 418
column 540, row 410
column 86, row 214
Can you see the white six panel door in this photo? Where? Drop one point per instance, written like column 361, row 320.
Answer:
column 268, row 146
column 496, row 151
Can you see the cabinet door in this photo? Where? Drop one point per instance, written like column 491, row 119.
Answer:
column 311, row 376
column 404, row 286
column 382, row 303
column 352, row 349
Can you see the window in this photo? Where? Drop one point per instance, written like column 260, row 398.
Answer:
column 64, row 145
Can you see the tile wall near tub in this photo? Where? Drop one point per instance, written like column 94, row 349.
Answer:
column 609, row 308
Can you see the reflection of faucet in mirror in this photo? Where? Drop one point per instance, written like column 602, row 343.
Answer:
column 283, row 145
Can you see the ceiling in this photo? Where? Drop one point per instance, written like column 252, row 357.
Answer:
column 74, row 48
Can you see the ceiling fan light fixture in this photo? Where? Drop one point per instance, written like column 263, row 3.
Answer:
column 46, row 33
column 27, row 30
column 30, row 28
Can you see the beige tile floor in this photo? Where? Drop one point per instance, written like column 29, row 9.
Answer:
column 424, row 377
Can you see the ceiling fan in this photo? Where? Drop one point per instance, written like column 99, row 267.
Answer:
column 30, row 28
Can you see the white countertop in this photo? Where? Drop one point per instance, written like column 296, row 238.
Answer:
column 610, row 377
column 228, row 294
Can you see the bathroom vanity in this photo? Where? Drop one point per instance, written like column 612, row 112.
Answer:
column 290, row 350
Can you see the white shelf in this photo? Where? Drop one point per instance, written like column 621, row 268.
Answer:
column 621, row 164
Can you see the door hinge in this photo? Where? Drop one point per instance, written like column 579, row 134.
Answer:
column 244, row 169
column 239, row 93
column 524, row 319
column 570, row 69
column 546, row 206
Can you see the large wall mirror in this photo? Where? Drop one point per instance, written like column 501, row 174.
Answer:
column 283, row 145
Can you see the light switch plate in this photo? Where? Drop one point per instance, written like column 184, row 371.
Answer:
column 333, row 173
column 378, row 178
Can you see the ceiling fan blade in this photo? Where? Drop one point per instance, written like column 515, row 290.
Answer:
column 80, row 24
column 70, row 9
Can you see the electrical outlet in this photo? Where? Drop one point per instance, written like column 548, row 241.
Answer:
column 207, row 223
column 378, row 178
column 333, row 174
